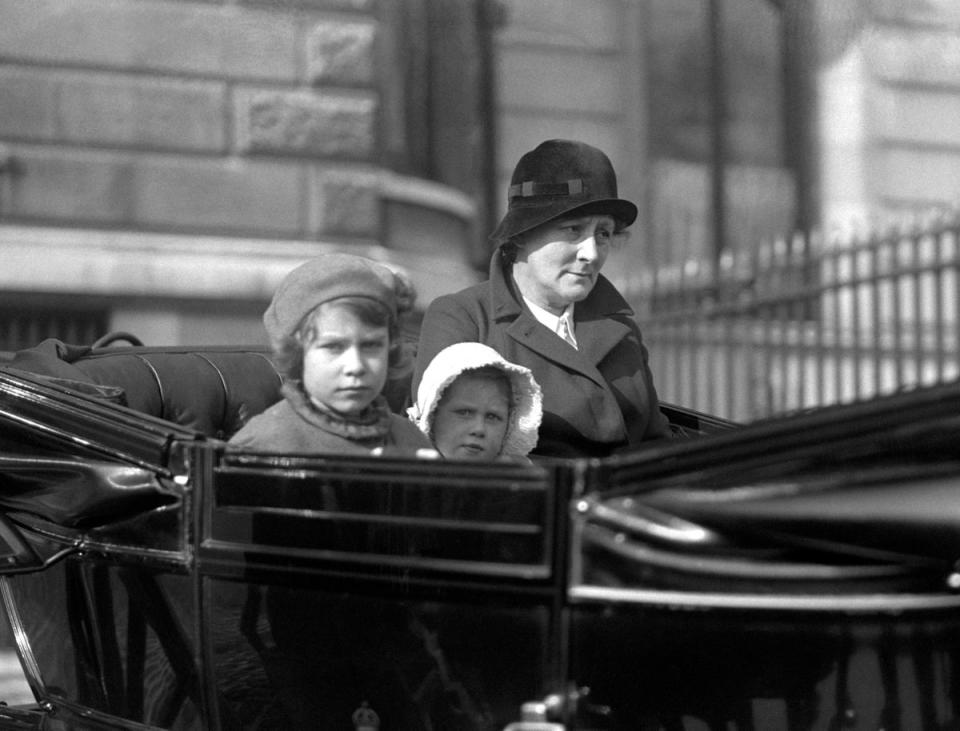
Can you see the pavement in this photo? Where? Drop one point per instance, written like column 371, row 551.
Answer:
column 14, row 690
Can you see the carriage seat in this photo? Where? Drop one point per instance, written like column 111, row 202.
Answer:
column 212, row 390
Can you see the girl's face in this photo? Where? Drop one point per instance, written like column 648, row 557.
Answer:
column 558, row 262
column 345, row 364
column 471, row 418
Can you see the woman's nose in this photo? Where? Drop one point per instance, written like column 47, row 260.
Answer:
column 588, row 249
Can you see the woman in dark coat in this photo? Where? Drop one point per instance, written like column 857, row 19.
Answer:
column 547, row 307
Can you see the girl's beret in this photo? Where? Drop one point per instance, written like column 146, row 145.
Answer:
column 326, row 278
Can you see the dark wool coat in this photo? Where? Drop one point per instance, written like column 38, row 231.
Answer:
column 596, row 399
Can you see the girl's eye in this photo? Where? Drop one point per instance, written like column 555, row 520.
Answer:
column 494, row 417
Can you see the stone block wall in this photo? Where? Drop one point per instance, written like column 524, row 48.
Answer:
column 164, row 163
column 238, row 118
column 890, row 84
column 914, row 57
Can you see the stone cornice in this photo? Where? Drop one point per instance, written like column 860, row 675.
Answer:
column 126, row 263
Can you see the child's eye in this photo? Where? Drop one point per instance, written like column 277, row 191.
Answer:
column 497, row 418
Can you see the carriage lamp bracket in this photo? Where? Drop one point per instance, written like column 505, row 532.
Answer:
column 180, row 463
column 544, row 714
column 953, row 578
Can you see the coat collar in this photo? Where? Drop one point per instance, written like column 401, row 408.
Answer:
column 601, row 321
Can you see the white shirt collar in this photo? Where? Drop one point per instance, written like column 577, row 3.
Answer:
column 554, row 322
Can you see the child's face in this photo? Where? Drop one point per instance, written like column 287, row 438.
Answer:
column 345, row 365
column 471, row 418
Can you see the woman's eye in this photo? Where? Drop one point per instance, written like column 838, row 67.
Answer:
column 604, row 235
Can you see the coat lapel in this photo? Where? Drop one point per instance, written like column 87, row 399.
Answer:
column 597, row 332
column 526, row 329
column 597, row 337
column 602, row 320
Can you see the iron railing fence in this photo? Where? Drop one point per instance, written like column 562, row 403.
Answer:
column 806, row 321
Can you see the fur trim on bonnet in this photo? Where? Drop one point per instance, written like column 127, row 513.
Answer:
column 526, row 407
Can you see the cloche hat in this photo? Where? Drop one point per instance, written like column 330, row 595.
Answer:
column 330, row 277
column 526, row 397
column 558, row 177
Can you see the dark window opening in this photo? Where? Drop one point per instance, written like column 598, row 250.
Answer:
column 26, row 319
column 436, row 90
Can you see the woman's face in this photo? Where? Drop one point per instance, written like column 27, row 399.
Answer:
column 345, row 364
column 470, row 421
column 558, row 262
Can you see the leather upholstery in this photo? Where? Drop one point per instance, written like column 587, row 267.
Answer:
column 211, row 390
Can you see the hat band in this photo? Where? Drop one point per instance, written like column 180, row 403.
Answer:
column 530, row 188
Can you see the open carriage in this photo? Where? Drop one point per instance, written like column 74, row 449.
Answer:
column 793, row 573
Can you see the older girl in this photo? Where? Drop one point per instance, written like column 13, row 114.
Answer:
column 333, row 324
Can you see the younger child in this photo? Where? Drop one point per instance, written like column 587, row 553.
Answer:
column 334, row 325
column 475, row 405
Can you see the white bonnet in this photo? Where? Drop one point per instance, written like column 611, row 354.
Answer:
column 526, row 407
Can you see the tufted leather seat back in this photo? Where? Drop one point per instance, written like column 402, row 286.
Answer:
column 211, row 390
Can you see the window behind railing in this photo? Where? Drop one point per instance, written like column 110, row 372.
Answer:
column 25, row 320
column 805, row 321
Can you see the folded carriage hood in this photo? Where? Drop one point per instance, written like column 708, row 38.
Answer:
column 879, row 478
column 78, row 493
column 71, row 459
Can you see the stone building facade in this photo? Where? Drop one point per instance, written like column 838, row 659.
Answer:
column 164, row 162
